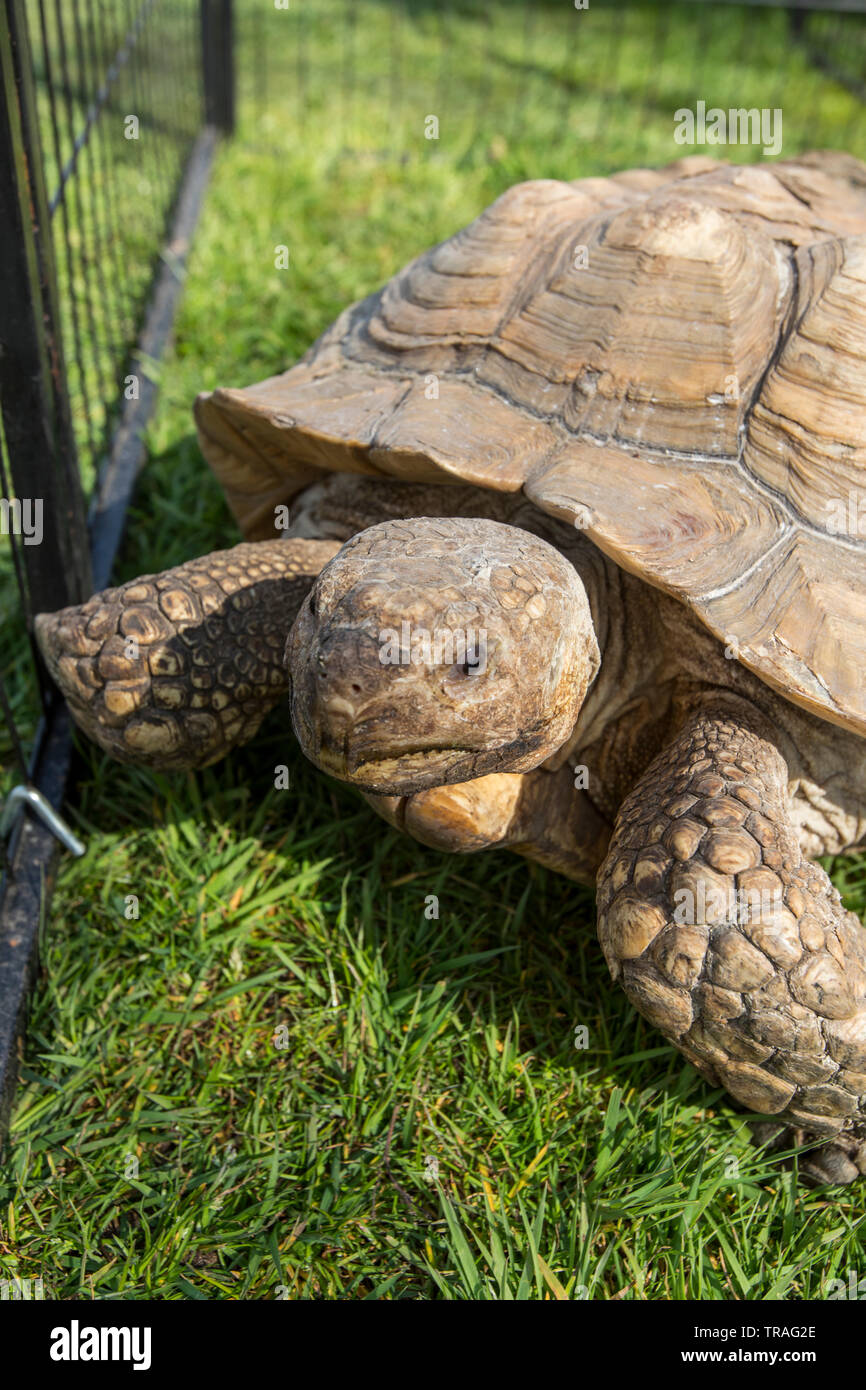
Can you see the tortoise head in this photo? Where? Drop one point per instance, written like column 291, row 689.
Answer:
column 436, row 650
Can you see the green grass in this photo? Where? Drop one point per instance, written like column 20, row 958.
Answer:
column 426, row 1127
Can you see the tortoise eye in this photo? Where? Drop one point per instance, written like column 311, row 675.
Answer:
column 467, row 667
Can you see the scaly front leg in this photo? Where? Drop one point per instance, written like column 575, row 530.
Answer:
column 174, row 669
column 730, row 942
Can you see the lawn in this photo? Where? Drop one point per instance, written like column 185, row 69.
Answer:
column 276, row 1050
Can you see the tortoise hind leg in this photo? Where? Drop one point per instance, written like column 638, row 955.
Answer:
column 732, row 943
column 538, row 814
column 172, row 670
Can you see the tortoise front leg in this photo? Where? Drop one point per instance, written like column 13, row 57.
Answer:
column 730, row 942
column 174, row 669
column 538, row 814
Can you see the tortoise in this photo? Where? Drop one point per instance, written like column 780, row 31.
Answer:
column 556, row 543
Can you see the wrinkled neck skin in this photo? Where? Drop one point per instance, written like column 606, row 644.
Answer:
column 628, row 713
column 658, row 663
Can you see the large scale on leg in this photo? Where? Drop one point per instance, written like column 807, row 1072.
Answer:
column 649, row 457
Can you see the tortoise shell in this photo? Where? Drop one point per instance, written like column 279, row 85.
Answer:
column 674, row 360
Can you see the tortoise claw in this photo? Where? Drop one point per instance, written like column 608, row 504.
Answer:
column 837, row 1163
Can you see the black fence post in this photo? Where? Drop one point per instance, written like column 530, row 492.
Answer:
column 33, row 387
column 217, row 40
column 797, row 21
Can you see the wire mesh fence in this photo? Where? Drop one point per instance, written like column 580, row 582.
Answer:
column 543, row 87
column 101, row 113
column 108, row 99
column 119, row 99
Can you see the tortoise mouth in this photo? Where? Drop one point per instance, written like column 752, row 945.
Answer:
column 416, row 767
column 422, row 766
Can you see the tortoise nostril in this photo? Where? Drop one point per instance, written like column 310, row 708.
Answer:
column 356, row 689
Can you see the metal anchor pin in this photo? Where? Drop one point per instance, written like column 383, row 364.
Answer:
column 26, row 795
